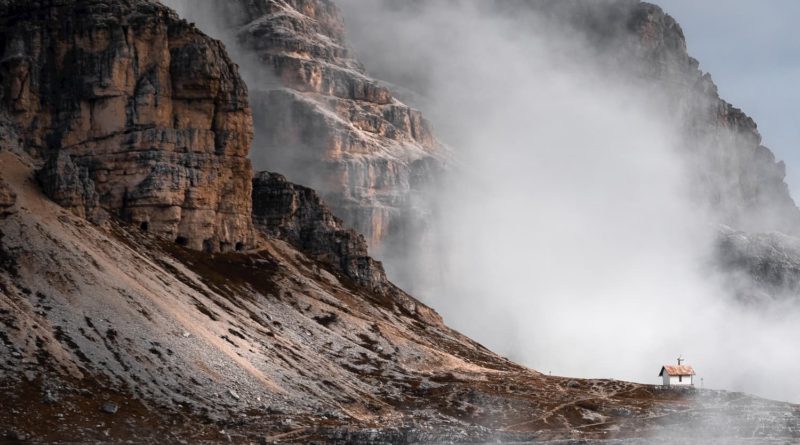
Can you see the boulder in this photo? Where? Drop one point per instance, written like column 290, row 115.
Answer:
column 110, row 408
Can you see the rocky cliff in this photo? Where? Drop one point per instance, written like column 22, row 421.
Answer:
column 322, row 121
column 733, row 175
column 135, row 113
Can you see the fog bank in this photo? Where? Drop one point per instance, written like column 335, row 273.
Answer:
column 569, row 241
column 566, row 236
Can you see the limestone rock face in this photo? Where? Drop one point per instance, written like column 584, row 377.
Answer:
column 321, row 120
column 135, row 113
column 297, row 215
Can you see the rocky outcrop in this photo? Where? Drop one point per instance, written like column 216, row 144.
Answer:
column 8, row 199
column 733, row 177
column 135, row 113
column 321, row 121
column 71, row 186
column 297, row 215
column 759, row 267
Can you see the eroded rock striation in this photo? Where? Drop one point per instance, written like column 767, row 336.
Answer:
column 134, row 112
column 322, row 121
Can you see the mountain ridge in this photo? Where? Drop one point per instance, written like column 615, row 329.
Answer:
column 114, row 330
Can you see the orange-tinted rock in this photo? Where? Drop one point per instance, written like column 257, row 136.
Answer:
column 136, row 114
column 322, row 121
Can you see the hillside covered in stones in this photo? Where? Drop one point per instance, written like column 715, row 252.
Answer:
column 153, row 288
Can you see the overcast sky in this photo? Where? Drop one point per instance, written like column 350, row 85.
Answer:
column 752, row 50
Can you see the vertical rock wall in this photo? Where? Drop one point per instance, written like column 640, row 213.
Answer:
column 134, row 113
column 321, row 120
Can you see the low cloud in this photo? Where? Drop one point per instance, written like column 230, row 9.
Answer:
column 565, row 234
column 568, row 239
